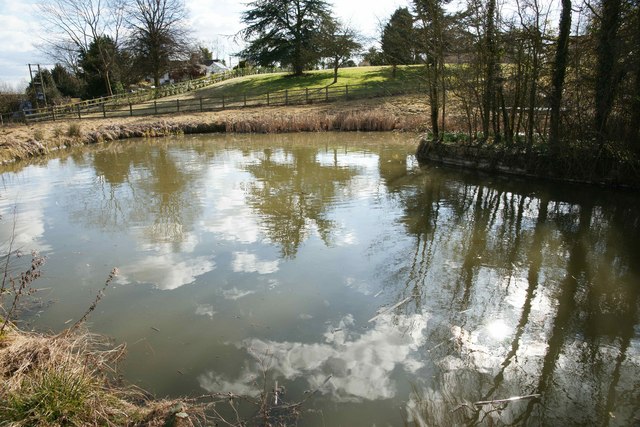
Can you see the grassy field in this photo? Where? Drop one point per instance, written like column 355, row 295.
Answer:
column 267, row 83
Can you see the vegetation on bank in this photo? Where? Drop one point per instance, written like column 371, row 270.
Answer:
column 399, row 113
column 63, row 379
column 609, row 166
column 69, row 379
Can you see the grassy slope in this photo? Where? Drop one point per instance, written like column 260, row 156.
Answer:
column 264, row 83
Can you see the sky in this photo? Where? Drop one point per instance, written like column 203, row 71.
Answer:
column 214, row 22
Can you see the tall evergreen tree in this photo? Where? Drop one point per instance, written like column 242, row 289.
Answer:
column 398, row 39
column 67, row 83
column 94, row 69
column 284, row 31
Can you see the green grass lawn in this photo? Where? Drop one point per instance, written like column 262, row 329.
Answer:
column 268, row 83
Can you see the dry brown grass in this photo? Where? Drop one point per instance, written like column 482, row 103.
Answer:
column 69, row 379
column 64, row 379
column 404, row 113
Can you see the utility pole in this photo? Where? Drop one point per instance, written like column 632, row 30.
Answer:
column 38, row 86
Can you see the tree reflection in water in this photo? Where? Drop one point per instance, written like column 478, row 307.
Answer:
column 511, row 287
column 487, row 255
column 138, row 185
column 292, row 192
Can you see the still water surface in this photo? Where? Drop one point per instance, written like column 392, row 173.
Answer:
column 238, row 253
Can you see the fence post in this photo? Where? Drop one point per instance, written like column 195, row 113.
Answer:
column 286, row 97
column 245, row 99
column 130, row 109
column 155, row 106
column 267, row 99
column 79, row 116
column 201, row 104
column 326, row 93
column 178, row 105
column 306, row 95
column 1, row 120
column 53, row 113
column 104, row 111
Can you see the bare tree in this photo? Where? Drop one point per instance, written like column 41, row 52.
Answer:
column 158, row 34
column 74, row 25
column 492, row 70
column 533, row 20
column 432, row 27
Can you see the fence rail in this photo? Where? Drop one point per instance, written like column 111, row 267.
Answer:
column 308, row 95
column 91, row 106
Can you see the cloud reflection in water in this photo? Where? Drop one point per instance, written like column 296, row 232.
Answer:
column 244, row 262
column 360, row 364
column 167, row 271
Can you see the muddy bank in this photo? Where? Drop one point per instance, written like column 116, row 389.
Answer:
column 405, row 113
column 573, row 164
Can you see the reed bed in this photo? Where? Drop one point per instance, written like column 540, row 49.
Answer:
column 347, row 121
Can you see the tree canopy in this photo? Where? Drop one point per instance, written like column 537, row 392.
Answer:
column 398, row 39
column 338, row 42
column 284, row 32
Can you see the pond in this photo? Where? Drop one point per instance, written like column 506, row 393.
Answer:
column 334, row 263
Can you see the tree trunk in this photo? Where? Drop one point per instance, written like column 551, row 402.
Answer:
column 559, row 71
column 107, row 82
column 433, row 101
column 634, row 131
column 607, row 52
column 490, row 70
column 535, row 74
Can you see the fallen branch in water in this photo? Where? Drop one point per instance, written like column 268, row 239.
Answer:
column 510, row 399
column 404, row 301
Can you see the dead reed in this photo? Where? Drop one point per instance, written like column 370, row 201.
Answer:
column 376, row 120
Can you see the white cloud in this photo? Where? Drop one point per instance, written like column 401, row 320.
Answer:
column 213, row 22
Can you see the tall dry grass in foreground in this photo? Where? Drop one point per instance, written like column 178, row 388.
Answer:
column 69, row 378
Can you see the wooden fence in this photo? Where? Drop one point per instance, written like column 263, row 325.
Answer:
column 308, row 95
column 92, row 106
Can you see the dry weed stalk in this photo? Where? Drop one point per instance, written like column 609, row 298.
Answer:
column 19, row 286
column 94, row 304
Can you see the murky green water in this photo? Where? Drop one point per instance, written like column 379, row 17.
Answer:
column 286, row 253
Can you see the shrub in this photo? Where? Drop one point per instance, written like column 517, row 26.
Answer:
column 74, row 130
